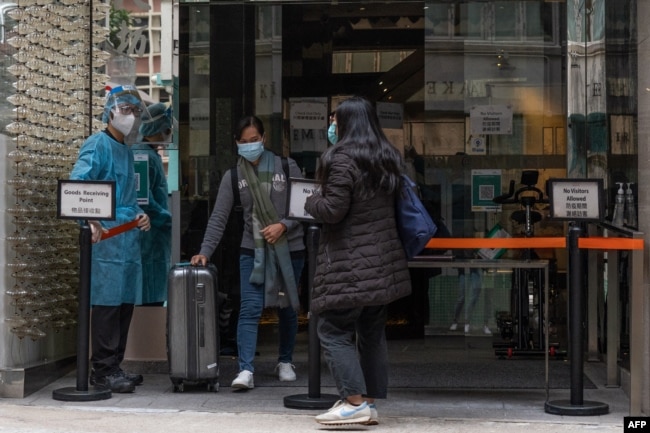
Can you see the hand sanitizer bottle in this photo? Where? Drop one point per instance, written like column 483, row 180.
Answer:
column 630, row 207
column 619, row 206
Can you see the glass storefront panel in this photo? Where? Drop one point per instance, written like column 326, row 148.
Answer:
column 492, row 108
column 483, row 89
column 448, row 67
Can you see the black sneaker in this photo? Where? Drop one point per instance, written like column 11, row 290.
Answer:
column 137, row 379
column 115, row 382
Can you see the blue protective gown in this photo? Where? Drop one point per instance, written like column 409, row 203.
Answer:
column 116, row 274
column 156, row 244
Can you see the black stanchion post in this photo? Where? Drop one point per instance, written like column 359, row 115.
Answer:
column 313, row 399
column 576, row 316
column 81, row 392
column 576, row 405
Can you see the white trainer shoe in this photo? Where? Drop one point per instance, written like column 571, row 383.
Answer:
column 286, row 372
column 374, row 417
column 453, row 326
column 343, row 413
column 486, row 330
column 244, row 380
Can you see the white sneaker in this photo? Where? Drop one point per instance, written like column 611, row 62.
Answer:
column 244, row 380
column 374, row 417
column 466, row 328
column 286, row 372
column 486, row 330
column 453, row 326
column 343, row 413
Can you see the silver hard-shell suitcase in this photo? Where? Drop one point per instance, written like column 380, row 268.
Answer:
column 192, row 332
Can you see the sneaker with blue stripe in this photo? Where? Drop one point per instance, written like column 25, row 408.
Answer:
column 374, row 417
column 343, row 413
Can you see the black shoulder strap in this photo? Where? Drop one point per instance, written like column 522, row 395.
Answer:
column 235, row 188
column 234, row 181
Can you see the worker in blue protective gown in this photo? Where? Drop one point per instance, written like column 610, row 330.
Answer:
column 116, row 269
column 156, row 244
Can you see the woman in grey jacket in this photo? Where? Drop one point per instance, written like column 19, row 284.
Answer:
column 361, row 262
column 272, row 251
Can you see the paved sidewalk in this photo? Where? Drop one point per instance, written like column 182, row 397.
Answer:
column 154, row 407
column 75, row 419
column 415, row 408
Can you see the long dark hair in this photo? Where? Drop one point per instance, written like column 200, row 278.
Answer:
column 247, row 121
column 361, row 137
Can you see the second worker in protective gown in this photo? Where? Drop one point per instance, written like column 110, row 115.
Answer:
column 156, row 244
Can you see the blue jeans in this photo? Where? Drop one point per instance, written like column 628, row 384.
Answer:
column 252, row 305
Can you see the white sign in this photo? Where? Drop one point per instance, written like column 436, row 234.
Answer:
column 199, row 113
column 309, row 113
column 299, row 190
column 490, row 119
column 390, row 114
column 86, row 199
column 576, row 199
column 309, row 121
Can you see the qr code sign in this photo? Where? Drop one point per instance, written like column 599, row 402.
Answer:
column 486, row 192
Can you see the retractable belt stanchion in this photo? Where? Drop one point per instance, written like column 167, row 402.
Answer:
column 313, row 399
column 576, row 405
column 81, row 392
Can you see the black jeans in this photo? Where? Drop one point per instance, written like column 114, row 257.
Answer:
column 109, row 331
column 354, row 346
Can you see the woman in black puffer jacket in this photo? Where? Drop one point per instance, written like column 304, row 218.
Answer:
column 361, row 262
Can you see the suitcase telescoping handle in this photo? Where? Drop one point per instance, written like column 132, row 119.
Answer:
column 200, row 313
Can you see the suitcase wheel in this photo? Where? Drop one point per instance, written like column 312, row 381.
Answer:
column 178, row 385
column 213, row 386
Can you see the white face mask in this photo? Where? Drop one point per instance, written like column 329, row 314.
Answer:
column 124, row 123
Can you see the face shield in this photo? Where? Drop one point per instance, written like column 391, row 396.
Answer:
column 124, row 110
column 157, row 124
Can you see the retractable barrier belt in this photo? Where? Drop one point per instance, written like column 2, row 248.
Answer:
column 120, row 229
column 599, row 243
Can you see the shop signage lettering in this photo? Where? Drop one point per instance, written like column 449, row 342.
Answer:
column 470, row 88
column 443, row 88
column 133, row 41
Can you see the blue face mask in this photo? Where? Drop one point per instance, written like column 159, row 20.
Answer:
column 331, row 134
column 251, row 151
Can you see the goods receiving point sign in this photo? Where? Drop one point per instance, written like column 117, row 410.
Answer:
column 86, row 199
